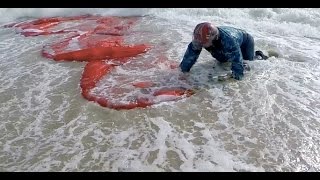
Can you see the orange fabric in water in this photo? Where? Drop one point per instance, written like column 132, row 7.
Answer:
column 143, row 84
column 92, row 73
column 97, row 53
column 173, row 92
column 99, row 41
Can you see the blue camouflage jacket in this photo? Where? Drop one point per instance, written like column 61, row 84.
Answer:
column 227, row 48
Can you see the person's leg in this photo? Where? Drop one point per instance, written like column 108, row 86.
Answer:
column 247, row 47
column 259, row 55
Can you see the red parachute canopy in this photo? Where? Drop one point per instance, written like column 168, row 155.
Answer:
column 100, row 41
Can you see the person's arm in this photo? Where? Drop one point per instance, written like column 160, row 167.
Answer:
column 233, row 53
column 190, row 57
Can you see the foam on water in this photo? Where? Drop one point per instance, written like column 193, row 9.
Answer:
column 267, row 122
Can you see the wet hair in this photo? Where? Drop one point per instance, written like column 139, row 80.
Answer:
column 204, row 32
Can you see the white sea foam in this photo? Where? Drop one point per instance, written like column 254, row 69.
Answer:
column 267, row 122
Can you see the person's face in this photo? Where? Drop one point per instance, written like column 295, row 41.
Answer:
column 207, row 44
column 208, row 40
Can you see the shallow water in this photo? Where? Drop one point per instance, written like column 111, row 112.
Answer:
column 266, row 122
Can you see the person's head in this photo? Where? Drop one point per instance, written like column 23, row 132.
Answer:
column 204, row 33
